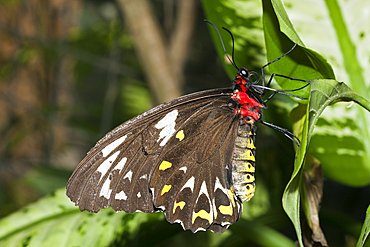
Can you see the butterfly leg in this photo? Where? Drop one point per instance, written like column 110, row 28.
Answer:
column 276, row 91
column 285, row 132
column 273, row 61
column 283, row 76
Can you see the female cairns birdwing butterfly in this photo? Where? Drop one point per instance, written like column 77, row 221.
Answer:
column 192, row 158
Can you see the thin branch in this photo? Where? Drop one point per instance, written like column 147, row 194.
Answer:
column 180, row 40
column 151, row 48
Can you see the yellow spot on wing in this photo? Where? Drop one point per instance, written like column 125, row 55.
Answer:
column 178, row 204
column 180, row 135
column 204, row 215
column 226, row 209
column 165, row 189
column 231, row 194
column 165, row 165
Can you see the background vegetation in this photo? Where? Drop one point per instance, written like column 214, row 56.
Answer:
column 72, row 70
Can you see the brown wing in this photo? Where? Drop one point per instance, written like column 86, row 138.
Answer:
column 126, row 163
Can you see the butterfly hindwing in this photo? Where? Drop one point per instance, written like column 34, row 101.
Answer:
column 123, row 169
column 191, row 182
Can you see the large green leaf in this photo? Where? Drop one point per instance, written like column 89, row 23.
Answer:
column 55, row 221
column 330, row 92
column 339, row 31
column 323, row 93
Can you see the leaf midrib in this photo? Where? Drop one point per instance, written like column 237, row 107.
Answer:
column 350, row 60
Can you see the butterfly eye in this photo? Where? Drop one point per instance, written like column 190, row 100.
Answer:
column 244, row 72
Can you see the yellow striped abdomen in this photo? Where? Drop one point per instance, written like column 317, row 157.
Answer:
column 243, row 163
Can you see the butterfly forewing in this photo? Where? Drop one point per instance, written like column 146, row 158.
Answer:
column 126, row 168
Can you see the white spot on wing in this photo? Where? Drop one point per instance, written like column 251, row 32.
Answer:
column 218, row 185
column 199, row 229
column 226, row 223
column 167, row 124
column 109, row 148
column 145, row 176
column 121, row 196
column 203, row 190
column 104, row 167
column 184, row 168
column 189, row 184
column 181, row 223
column 105, row 190
column 152, row 192
column 214, row 206
column 120, row 164
column 138, row 194
column 240, row 207
column 128, row 175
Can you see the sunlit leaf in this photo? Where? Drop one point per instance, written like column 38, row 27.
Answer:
column 55, row 221
column 338, row 30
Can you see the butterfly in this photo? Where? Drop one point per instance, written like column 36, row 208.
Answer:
column 192, row 157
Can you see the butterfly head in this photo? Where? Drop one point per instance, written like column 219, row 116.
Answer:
column 244, row 80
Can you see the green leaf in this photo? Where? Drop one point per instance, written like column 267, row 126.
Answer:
column 323, row 93
column 244, row 20
column 336, row 165
column 301, row 63
column 338, row 30
column 55, row 221
column 291, row 196
column 365, row 229
column 327, row 92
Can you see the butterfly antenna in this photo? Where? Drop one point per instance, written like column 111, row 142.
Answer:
column 232, row 38
column 223, row 46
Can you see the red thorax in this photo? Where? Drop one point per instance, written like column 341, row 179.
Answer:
column 250, row 109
